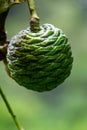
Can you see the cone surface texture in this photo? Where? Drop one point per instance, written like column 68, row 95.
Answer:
column 40, row 61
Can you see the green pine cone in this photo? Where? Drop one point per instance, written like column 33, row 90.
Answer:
column 40, row 61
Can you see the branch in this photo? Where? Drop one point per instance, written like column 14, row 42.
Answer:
column 3, row 37
column 6, row 4
column 34, row 20
column 16, row 121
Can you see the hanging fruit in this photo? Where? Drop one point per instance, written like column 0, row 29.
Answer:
column 39, row 58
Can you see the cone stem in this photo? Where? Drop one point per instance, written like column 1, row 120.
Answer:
column 16, row 121
column 34, row 20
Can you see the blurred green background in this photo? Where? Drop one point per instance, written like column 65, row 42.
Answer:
column 64, row 108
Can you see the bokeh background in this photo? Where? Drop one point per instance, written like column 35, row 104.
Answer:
column 64, row 108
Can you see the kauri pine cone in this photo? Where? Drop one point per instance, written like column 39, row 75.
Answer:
column 40, row 61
